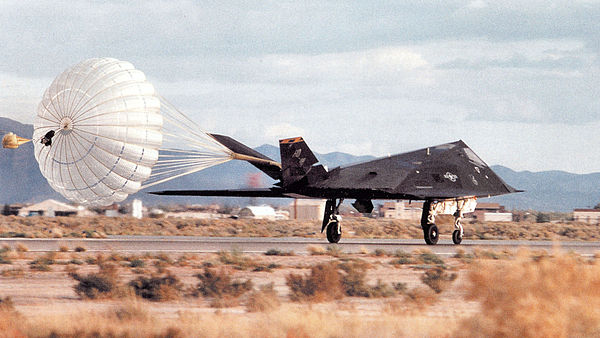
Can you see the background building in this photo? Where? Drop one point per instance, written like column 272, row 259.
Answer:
column 258, row 212
column 591, row 216
column 487, row 212
column 51, row 208
column 401, row 210
column 307, row 209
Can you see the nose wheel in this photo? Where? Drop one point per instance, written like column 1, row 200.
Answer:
column 457, row 235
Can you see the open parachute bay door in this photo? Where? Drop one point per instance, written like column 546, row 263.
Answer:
column 102, row 132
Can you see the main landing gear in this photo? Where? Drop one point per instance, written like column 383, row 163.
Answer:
column 430, row 230
column 331, row 222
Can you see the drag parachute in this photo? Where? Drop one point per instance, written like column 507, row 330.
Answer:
column 12, row 141
column 102, row 132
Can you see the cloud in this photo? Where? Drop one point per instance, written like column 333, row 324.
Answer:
column 183, row 37
column 283, row 130
column 19, row 96
column 380, row 77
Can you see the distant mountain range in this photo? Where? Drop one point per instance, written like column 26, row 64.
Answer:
column 21, row 180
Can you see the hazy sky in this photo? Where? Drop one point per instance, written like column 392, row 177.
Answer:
column 518, row 81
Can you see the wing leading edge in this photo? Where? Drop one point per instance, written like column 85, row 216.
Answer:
column 266, row 192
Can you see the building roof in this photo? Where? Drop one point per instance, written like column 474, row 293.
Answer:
column 313, row 201
column 587, row 210
column 488, row 206
column 51, row 204
column 261, row 210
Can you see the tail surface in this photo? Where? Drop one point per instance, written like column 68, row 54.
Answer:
column 297, row 162
column 267, row 165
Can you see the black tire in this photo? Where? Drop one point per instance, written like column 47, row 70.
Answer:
column 456, row 237
column 332, row 232
column 431, row 234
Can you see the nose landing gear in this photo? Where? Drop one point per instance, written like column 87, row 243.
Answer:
column 457, row 235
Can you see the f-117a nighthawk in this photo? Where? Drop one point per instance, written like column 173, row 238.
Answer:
column 447, row 177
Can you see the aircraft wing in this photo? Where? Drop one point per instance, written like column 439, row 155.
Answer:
column 260, row 192
column 444, row 171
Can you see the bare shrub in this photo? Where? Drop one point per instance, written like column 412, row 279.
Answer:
column 164, row 258
column 6, row 304
column 80, row 249
column 43, row 263
column 277, row 252
column 380, row 253
column 428, row 257
column 438, row 279
column 103, row 284
column 157, row 288
column 63, row 248
column 16, row 272
column 353, row 281
column 236, row 259
column 186, row 259
column 137, row 263
column 552, row 296
column 382, row 289
column 315, row 250
column 334, row 251
column 420, row 297
column 129, row 311
column 219, row 284
column 323, row 284
column 403, row 258
column 4, row 257
column 263, row 300
column 22, row 247
column 115, row 257
column 354, row 284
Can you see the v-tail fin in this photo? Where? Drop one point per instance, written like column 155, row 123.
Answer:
column 297, row 161
column 243, row 152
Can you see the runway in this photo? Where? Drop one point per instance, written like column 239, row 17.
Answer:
column 181, row 244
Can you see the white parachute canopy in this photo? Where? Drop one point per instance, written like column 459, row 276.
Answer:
column 114, row 135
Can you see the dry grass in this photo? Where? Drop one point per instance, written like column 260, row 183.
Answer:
column 547, row 296
column 131, row 320
column 507, row 294
column 43, row 263
column 22, row 247
column 100, row 226
column 15, row 273
column 316, row 250
column 263, row 300
column 277, row 252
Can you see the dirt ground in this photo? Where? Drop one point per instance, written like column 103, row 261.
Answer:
column 481, row 293
column 40, row 293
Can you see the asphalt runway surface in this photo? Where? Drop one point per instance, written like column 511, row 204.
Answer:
column 181, row 244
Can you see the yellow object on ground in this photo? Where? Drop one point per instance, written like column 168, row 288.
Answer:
column 12, row 141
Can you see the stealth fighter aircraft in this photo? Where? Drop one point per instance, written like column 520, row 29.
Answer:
column 447, row 177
